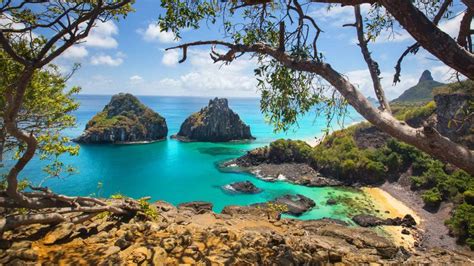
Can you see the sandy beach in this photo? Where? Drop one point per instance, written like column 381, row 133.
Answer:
column 390, row 207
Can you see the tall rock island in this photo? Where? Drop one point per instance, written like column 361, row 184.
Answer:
column 215, row 123
column 124, row 120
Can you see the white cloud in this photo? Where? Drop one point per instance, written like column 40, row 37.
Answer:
column 206, row 78
column 451, row 26
column 170, row 58
column 337, row 15
column 153, row 33
column 361, row 79
column 75, row 52
column 107, row 60
column 102, row 35
column 136, row 79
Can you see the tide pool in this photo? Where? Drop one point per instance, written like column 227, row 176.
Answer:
column 179, row 172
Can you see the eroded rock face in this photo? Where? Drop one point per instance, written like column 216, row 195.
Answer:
column 124, row 120
column 452, row 112
column 215, row 123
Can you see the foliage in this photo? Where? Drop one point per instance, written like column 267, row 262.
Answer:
column 148, row 209
column 463, row 87
column 289, row 151
column 46, row 111
column 469, row 196
column 461, row 224
column 406, row 112
column 432, row 197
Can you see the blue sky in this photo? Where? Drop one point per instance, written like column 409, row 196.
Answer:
column 128, row 56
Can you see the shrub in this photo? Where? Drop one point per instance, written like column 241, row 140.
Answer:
column 469, row 197
column 432, row 197
column 461, row 224
column 289, row 151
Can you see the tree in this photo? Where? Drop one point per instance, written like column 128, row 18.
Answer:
column 46, row 111
column 32, row 35
column 293, row 75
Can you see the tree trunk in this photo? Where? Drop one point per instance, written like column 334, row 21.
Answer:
column 14, row 97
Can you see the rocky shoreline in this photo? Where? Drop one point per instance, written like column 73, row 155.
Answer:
column 184, row 235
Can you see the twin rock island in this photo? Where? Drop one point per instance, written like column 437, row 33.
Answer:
column 126, row 120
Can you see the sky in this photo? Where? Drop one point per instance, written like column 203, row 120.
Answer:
column 129, row 56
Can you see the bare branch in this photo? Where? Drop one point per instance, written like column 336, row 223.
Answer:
column 371, row 64
column 416, row 46
column 431, row 37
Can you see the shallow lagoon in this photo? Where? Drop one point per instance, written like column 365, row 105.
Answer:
column 179, row 172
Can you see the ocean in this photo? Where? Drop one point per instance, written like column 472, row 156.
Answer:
column 178, row 172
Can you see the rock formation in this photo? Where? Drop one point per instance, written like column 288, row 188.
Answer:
column 421, row 92
column 295, row 204
column 367, row 220
column 454, row 117
column 242, row 187
column 124, row 120
column 215, row 122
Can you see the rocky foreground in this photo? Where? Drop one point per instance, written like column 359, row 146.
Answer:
column 241, row 235
column 124, row 120
column 214, row 123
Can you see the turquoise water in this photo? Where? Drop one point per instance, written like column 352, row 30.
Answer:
column 179, row 172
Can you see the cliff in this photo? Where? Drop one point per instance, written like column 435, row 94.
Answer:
column 215, row 122
column 124, row 120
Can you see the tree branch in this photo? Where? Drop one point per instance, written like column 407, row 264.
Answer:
column 428, row 35
column 416, row 46
column 464, row 30
column 371, row 64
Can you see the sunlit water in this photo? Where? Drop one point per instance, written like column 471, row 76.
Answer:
column 179, row 172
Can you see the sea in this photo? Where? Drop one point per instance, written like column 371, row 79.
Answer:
column 179, row 172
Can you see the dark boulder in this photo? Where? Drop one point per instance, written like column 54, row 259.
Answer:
column 215, row 122
column 331, row 202
column 293, row 204
column 243, row 187
column 124, row 120
column 367, row 220
column 199, row 207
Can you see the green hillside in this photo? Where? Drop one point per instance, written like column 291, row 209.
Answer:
column 421, row 92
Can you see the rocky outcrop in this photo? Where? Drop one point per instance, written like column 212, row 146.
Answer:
column 177, row 236
column 124, row 120
column 367, row 220
column 267, row 165
column 246, row 187
column 198, row 207
column 294, row 205
column 214, row 123
column 454, row 117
